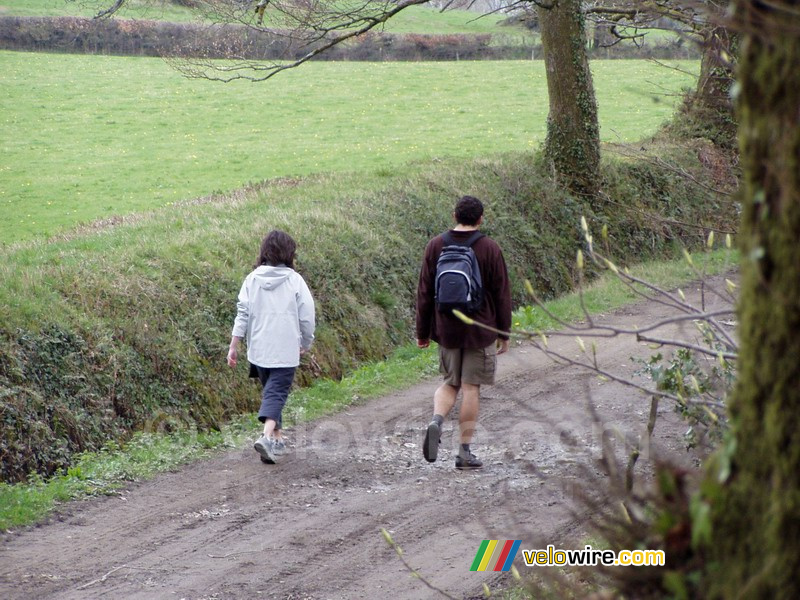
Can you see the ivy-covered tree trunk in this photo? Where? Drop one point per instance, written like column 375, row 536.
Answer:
column 716, row 75
column 711, row 107
column 573, row 134
column 756, row 516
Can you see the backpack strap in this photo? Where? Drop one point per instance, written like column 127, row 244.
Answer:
column 473, row 238
column 449, row 241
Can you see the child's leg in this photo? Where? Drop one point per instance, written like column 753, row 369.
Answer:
column 263, row 377
column 269, row 428
column 277, row 383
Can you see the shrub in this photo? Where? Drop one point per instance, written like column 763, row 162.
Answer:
column 187, row 40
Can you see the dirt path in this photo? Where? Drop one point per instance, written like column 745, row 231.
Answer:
column 308, row 528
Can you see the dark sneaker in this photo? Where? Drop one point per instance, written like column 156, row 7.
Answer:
column 469, row 462
column 430, row 447
column 263, row 446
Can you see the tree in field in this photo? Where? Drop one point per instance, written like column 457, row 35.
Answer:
column 756, row 510
column 573, row 132
column 708, row 110
column 710, row 106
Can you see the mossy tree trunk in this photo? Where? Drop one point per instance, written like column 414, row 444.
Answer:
column 573, row 134
column 716, row 74
column 756, row 517
column 711, row 102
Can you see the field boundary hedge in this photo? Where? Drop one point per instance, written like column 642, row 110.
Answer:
column 160, row 38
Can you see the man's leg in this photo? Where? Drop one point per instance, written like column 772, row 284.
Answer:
column 443, row 401
column 478, row 368
column 468, row 415
column 467, row 423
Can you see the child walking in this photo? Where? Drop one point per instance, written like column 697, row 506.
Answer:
column 275, row 312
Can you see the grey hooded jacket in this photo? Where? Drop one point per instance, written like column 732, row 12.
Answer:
column 275, row 312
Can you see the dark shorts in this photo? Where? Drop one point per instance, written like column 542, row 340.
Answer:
column 475, row 366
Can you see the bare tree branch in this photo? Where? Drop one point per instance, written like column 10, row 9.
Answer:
column 327, row 29
column 103, row 14
column 682, row 344
column 536, row 337
column 601, row 331
column 659, row 162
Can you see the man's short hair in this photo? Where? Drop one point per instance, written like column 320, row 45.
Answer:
column 468, row 210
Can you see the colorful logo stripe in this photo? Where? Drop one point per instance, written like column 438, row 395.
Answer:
column 479, row 556
column 495, row 555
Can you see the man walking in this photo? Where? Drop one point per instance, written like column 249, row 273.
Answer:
column 467, row 353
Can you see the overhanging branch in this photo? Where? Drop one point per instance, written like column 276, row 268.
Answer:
column 326, row 30
column 103, row 14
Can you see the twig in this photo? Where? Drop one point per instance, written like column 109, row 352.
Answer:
column 688, row 346
column 235, row 553
column 593, row 367
column 103, row 578
column 672, row 67
column 414, row 572
column 604, row 331
column 329, row 36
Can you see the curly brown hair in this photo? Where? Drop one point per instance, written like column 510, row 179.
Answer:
column 277, row 248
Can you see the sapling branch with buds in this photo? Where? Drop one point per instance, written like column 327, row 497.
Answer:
column 698, row 389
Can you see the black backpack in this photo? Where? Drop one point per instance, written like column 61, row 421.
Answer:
column 458, row 283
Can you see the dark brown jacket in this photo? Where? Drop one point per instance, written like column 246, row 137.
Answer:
column 449, row 331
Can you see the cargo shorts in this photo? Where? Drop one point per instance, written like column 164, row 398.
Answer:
column 475, row 366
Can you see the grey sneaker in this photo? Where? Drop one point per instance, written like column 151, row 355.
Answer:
column 278, row 447
column 430, row 447
column 264, row 446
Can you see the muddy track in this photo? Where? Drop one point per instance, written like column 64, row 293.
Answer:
column 309, row 527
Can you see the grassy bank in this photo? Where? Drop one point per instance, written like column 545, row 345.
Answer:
column 90, row 137
column 125, row 328
column 146, row 454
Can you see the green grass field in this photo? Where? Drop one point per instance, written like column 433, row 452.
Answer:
column 87, row 137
